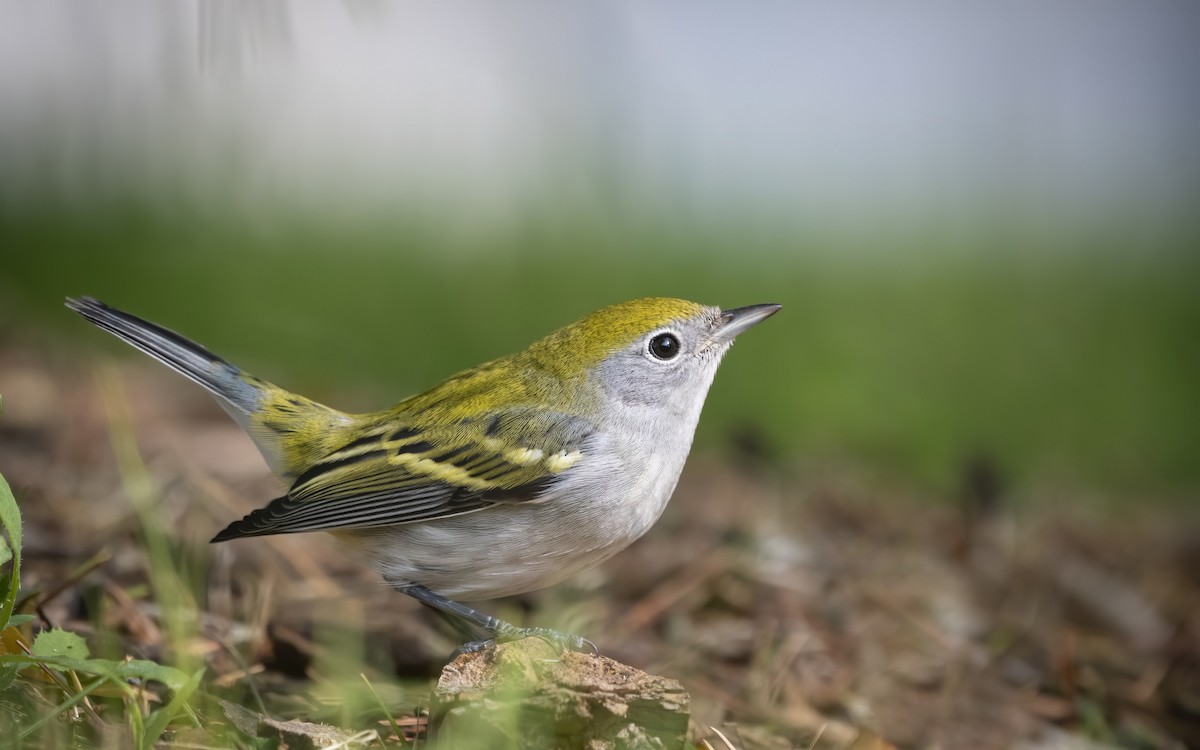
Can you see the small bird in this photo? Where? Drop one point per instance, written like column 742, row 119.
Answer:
column 505, row 478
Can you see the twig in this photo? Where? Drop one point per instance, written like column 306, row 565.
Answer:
column 668, row 593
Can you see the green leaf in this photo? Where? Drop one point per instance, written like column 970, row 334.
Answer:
column 142, row 669
column 118, row 671
column 56, row 642
column 10, row 522
column 157, row 721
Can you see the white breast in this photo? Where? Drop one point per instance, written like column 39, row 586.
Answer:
column 609, row 498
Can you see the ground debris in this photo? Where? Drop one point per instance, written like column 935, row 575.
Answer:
column 296, row 735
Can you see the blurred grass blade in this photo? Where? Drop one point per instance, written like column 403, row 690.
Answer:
column 157, row 721
column 70, row 581
column 180, row 612
column 10, row 521
column 64, row 706
column 383, row 707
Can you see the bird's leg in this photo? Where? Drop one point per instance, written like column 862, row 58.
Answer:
column 498, row 629
column 468, row 632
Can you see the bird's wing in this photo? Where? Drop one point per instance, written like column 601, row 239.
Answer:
column 395, row 473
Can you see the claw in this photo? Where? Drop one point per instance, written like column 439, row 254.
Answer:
column 473, row 647
column 476, row 623
column 566, row 640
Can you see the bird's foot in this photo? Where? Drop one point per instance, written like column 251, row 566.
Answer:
column 473, row 647
column 566, row 640
column 509, row 633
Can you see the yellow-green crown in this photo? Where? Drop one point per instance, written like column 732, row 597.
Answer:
column 588, row 341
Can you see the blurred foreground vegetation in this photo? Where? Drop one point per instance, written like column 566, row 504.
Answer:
column 1059, row 358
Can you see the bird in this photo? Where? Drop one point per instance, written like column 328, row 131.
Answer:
column 505, row 478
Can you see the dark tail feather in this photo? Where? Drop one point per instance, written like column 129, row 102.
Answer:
column 180, row 354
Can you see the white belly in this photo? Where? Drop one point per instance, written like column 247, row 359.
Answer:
column 599, row 509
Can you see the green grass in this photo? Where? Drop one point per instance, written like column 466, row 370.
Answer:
column 55, row 676
column 55, row 693
column 1061, row 358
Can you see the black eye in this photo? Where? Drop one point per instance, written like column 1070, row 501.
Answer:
column 664, row 346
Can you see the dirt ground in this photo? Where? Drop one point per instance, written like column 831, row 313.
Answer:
column 804, row 607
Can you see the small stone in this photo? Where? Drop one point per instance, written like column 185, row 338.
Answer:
column 531, row 694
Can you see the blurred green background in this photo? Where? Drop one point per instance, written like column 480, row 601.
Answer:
column 981, row 222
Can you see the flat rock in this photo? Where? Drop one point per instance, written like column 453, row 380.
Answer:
column 532, row 694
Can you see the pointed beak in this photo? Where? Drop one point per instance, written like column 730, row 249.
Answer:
column 739, row 319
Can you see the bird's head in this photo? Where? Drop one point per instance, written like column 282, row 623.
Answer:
column 648, row 352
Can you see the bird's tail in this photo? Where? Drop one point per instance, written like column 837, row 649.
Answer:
column 237, row 394
column 287, row 428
